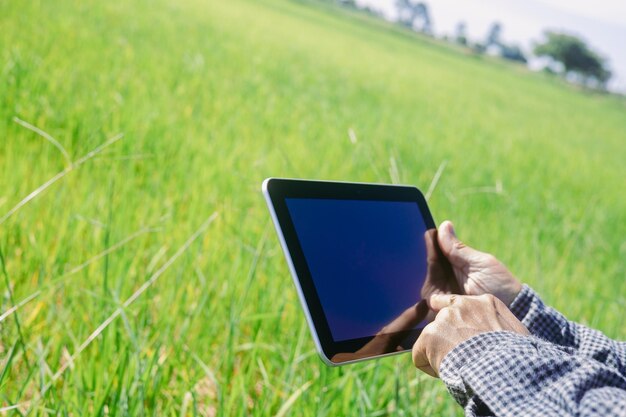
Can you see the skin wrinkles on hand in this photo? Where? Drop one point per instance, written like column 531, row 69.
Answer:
column 457, row 322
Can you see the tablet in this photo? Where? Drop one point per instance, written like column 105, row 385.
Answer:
column 364, row 259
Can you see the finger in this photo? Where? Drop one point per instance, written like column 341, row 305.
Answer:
column 430, row 237
column 456, row 251
column 420, row 357
column 407, row 320
column 428, row 370
column 439, row 301
column 420, row 360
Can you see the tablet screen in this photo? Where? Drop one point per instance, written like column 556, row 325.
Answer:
column 367, row 260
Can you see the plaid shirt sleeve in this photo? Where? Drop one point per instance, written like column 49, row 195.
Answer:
column 507, row 374
column 562, row 369
column 548, row 324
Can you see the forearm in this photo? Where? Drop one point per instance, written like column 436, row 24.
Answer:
column 509, row 374
column 548, row 324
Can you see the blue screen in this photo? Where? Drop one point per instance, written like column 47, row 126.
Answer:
column 367, row 259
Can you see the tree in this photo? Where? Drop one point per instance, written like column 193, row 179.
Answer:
column 348, row 3
column 494, row 43
column 427, row 24
column 512, row 53
column 493, row 36
column 405, row 13
column 460, row 36
column 414, row 15
column 577, row 59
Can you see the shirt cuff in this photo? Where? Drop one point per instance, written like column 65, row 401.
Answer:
column 465, row 353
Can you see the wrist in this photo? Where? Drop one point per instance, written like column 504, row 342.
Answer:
column 522, row 303
column 510, row 293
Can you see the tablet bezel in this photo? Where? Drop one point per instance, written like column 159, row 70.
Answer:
column 275, row 191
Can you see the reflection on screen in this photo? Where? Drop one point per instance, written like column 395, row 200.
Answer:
column 367, row 260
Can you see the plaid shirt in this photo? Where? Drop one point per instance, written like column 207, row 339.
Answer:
column 563, row 369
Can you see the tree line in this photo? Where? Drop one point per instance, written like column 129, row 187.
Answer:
column 564, row 54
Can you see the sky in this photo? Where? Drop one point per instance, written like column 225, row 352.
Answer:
column 602, row 23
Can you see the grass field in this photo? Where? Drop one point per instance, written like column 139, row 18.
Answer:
column 212, row 97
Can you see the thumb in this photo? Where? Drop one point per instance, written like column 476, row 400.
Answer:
column 456, row 251
column 439, row 301
column 420, row 358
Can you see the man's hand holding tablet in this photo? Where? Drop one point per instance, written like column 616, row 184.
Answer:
column 365, row 259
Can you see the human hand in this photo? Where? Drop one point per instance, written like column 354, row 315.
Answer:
column 477, row 272
column 459, row 318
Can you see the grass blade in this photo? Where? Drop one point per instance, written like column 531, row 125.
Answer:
column 282, row 412
column 435, row 181
column 46, row 136
column 37, row 191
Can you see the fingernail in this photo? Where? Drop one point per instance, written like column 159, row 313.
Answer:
column 451, row 229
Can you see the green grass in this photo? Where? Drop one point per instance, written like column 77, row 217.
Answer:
column 212, row 97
